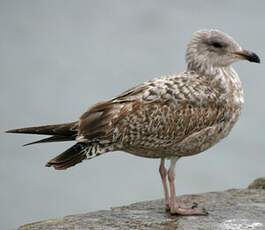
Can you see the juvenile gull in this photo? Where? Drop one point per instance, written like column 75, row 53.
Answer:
column 168, row 118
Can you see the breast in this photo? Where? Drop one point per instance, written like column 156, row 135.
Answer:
column 230, row 98
column 234, row 87
column 233, row 99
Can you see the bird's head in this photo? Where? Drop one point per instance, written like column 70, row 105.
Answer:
column 213, row 48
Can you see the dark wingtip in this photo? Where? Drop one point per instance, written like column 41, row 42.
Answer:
column 15, row 131
column 10, row 131
column 20, row 131
column 48, row 164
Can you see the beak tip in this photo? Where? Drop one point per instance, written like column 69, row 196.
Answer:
column 248, row 55
column 252, row 57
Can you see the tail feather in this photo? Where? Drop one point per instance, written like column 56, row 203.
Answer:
column 70, row 157
column 66, row 129
column 77, row 153
column 66, row 132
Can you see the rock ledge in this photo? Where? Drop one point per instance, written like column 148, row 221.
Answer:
column 234, row 209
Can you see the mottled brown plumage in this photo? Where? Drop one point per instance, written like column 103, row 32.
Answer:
column 169, row 117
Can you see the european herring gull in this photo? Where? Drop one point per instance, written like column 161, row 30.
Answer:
column 168, row 117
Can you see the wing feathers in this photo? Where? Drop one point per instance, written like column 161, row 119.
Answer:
column 65, row 129
column 51, row 139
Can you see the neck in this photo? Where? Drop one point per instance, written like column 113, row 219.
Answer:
column 206, row 69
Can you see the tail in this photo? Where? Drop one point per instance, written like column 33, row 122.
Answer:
column 66, row 132
column 77, row 153
column 58, row 132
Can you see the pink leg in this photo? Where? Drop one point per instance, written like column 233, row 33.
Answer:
column 163, row 174
column 175, row 206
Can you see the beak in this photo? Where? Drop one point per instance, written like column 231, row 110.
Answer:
column 248, row 55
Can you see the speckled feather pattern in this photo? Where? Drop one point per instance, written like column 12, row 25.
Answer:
column 175, row 115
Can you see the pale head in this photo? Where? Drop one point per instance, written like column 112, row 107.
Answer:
column 213, row 49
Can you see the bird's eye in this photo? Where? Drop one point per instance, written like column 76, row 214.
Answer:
column 217, row 45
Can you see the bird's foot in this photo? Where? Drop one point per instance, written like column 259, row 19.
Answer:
column 181, row 205
column 180, row 209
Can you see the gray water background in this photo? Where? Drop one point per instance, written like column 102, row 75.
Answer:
column 57, row 58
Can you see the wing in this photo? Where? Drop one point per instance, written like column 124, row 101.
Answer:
column 169, row 110
column 160, row 111
column 99, row 122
